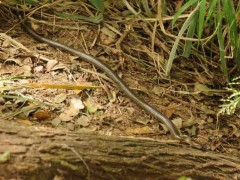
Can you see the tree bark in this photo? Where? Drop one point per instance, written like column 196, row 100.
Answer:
column 45, row 153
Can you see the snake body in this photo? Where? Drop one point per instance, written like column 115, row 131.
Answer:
column 110, row 73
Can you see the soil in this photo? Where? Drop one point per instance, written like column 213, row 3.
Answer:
column 27, row 76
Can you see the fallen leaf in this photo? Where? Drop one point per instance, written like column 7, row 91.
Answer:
column 203, row 89
column 69, row 114
column 112, row 96
column 73, row 110
column 177, row 122
column 77, row 103
column 59, row 66
column 70, row 126
column 143, row 121
column 191, row 121
column 51, row 64
column 107, row 36
column 41, row 115
column 4, row 56
column 60, row 98
column 6, row 43
column 16, row 61
column 26, row 70
column 191, row 131
column 83, row 121
column 169, row 110
column 56, row 121
column 236, row 130
column 39, row 69
column 91, row 106
column 157, row 90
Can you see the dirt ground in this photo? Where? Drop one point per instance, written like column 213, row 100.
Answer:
column 36, row 78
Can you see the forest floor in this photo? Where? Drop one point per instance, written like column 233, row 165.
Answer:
column 35, row 79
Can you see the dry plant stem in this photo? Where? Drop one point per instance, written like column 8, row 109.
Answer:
column 160, row 20
column 19, row 45
column 118, row 46
column 155, row 40
column 210, row 112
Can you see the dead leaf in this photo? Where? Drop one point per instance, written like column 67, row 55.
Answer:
column 191, row 131
column 177, row 122
column 39, row 69
column 51, row 64
column 60, row 98
column 157, row 90
column 91, row 106
column 77, row 103
column 112, row 96
column 73, row 110
column 107, row 36
column 83, row 121
column 13, row 51
column 203, row 89
column 16, row 61
column 143, row 121
column 42, row 115
column 59, row 66
column 236, row 130
column 169, row 110
column 26, row 70
column 70, row 126
column 56, row 121
column 4, row 55
column 191, row 121
column 68, row 114
column 6, row 43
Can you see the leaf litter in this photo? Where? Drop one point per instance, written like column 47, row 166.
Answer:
column 187, row 98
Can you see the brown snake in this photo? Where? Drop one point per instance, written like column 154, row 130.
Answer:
column 110, row 73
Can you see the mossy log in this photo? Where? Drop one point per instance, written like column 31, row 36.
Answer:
column 45, row 153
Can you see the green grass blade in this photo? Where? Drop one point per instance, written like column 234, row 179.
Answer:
column 230, row 15
column 185, row 26
column 212, row 7
column 202, row 11
column 188, row 44
column 221, row 41
column 99, row 4
column 29, row 2
column 95, row 19
column 182, row 9
column 229, row 12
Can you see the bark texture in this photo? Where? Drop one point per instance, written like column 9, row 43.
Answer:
column 45, row 153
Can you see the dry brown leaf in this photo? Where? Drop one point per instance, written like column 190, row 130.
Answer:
column 73, row 110
column 177, row 122
column 83, row 121
column 42, row 115
column 51, row 64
